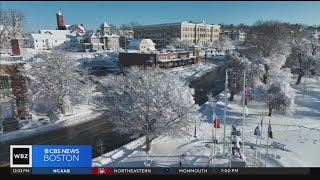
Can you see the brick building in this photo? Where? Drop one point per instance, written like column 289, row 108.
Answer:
column 161, row 34
column 162, row 59
column 13, row 96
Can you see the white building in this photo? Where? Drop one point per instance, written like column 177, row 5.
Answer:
column 142, row 45
column 110, row 41
column 237, row 35
column 49, row 39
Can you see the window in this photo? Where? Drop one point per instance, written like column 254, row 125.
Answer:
column 42, row 40
column 43, row 45
column 4, row 82
column 56, row 40
column 7, row 109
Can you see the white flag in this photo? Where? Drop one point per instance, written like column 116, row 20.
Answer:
column 246, row 110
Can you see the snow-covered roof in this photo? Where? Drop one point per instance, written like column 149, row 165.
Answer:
column 59, row 13
column 101, row 44
column 135, row 42
column 8, row 27
column 203, row 23
column 110, row 35
column 55, row 32
column 105, row 24
column 48, row 36
column 72, row 27
column 93, row 35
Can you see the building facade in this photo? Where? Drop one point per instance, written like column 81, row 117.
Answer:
column 13, row 96
column 234, row 35
column 110, row 41
column 161, row 34
column 125, row 37
column 161, row 59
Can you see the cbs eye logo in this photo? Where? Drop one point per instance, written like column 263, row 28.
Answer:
column 20, row 155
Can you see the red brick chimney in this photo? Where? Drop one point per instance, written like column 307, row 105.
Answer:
column 15, row 47
column 60, row 21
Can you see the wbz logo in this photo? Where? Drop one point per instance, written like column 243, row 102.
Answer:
column 20, row 155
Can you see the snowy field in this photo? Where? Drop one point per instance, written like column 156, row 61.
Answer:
column 299, row 132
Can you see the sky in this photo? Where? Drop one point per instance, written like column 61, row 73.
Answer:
column 41, row 15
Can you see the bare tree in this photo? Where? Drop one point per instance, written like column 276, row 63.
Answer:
column 5, row 30
column 134, row 23
column 56, row 77
column 113, row 29
column 17, row 18
column 148, row 101
column 4, row 21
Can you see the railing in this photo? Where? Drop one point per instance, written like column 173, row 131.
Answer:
column 11, row 58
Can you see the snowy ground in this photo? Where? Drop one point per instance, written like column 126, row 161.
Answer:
column 299, row 132
column 81, row 114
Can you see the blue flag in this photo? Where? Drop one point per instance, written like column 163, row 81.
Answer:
column 257, row 131
column 270, row 135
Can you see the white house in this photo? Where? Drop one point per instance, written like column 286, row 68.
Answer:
column 237, row 35
column 142, row 45
column 49, row 39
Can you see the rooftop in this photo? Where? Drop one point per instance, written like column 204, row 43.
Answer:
column 179, row 23
column 105, row 24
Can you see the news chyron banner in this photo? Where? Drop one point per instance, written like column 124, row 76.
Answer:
column 50, row 159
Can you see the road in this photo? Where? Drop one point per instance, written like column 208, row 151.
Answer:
column 87, row 133
column 211, row 82
column 90, row 132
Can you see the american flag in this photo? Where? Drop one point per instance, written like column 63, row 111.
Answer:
column 245, row 87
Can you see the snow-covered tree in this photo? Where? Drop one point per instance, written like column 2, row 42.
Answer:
column 185, row 44
column 11, row 21
column 56, row 78
column 236, row 65
column 171, row 47
column 269, row 42
column 279, row 96
column 147, row 101
column 223, row 44
column 175, row 43
column 17, row 18
column 306, row 52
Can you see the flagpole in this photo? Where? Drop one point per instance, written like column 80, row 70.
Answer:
column 212, row 135
column 225, row 114
column 214, row 150
column 230, row 152
column 265, row 163
column 243, row 103
column 260, row 138
column 255, row 152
